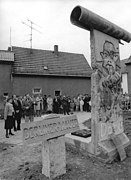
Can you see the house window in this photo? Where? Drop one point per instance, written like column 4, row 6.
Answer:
column 5, row 94
column 57, row 93
column 37, row 91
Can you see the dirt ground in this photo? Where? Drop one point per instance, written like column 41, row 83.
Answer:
column 24, row 163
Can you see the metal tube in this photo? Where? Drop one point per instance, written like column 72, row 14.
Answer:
column 88, row 20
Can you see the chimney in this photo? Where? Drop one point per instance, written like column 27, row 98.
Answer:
column 56, row 52
column 9, row 48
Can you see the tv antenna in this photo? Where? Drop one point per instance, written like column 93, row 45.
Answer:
column 10, row 37
column 31, row 28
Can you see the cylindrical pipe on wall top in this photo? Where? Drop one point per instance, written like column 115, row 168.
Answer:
column 88, row 20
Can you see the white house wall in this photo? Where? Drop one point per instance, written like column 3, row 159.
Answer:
column 124, row 83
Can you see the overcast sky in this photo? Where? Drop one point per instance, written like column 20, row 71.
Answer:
column 52, row 19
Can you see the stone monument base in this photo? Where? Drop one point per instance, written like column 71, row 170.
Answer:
column 110, row 148
column 115, row 145
column 53, row 157
column 107, row 149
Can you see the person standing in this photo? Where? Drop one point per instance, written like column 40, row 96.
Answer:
column 75, row 101
column 15, row 106
column 37, row 106
column 28, row 106
column 68, row 104
column 41, row 105
column 49, row 104
column 8, row 117
column 65, row 105
column 20, row 113
column 17, row 112
column 127, row 101
column 77, row 104
column 81, row 104
column 44, row 103
column 72, row 105
column 56, row 105
column 86, row 103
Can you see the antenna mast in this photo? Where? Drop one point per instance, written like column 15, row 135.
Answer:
column 31, row 35
column 31, row 28
column 10, row 37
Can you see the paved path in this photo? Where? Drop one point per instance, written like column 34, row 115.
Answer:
column 17, row 138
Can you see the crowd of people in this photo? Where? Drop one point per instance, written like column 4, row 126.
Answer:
column 126, row 101
column 28, row 107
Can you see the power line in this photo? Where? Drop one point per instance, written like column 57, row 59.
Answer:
column 31, row 28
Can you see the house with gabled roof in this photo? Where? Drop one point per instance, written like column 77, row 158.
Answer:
column 50, row 72
column 126, row 75
column 44, row 71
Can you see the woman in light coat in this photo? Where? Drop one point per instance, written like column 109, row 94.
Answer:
column 49, row 104
column 81, row 104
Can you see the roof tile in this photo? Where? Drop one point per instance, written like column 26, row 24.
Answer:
column 33, row 61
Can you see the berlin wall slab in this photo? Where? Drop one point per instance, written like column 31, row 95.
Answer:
column 106, row 112
column 107, row 115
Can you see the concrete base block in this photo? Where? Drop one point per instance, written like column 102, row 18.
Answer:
column 107, row 148
column 79, row 143
column 118, row 144
column 110, row 148
column 54, row 157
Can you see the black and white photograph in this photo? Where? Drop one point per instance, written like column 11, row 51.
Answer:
column 65, row 90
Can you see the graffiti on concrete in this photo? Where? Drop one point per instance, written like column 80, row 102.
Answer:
column 109, row 82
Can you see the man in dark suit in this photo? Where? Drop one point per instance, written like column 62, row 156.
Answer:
column 17, row 112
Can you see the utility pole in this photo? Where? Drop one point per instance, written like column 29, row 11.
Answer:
column 31, row 28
